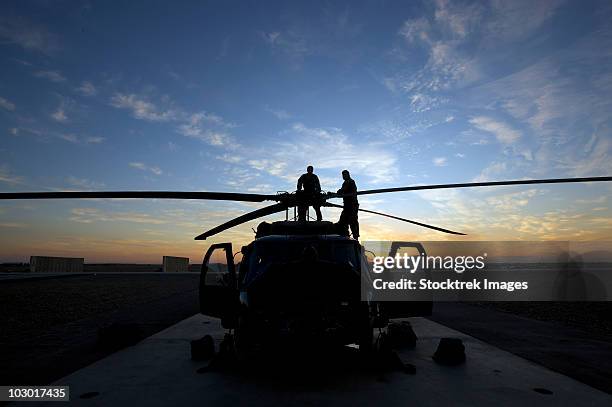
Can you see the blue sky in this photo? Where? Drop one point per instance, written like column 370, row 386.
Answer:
column 241, row 96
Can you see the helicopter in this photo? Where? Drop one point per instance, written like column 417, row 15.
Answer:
column 296, row 279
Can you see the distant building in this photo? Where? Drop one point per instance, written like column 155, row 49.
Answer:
column 56, row 264
column 175, row 264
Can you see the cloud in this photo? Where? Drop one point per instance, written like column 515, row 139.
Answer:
column 84, row 183
column 272, row 167
column 212, row 118
column 9, row 178
column 440, row 161
column 451, row 36
column 53, row 76
column 198, row 126
column 329, row 33
column 71, row 138
column 513, row 20
column 59, row 115
column 458, row 19
column 562, row 102
column 87, row 89
column 492, row 172
column 31, row 36
column 511, row 201
column 271, row 37
column 13, row 225
column 420, row 102
column 206, row 126
column 5, row 104
column 292, row 43
column 279, row 113
column 325, row 149
column 229, row 158
column 502, row 132
column 91, row 215
column 142, row 108
column 416, row 30
column 95, row 140
column 144, row 167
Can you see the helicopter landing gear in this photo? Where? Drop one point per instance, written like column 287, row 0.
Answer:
column 366, row 330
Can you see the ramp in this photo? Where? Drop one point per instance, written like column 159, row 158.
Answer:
column 158, row 372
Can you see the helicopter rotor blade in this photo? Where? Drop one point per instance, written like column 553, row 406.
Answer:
column 268, row 210
column 402, row 219
column 216, row 196
column 484, row 184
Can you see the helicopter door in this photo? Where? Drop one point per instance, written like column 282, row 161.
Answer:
column 218, row 289
column 404, row 309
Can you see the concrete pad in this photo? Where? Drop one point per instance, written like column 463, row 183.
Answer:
column 16, row 276
column 158, row 371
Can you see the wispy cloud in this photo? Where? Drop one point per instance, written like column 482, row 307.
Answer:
column 73, row 138
column 60, row 115
column 440, row 161
column 5, row 104
column 95, row 140
column 53, row 76
column 291, row 43
column 513, row 20
column 8, row 177
column 15, row 225
column 492, row 172
column 29, row 35
column 230, row 158
column 326, row 149
column 206, row 126
column 144, row 167
column 87, row 89
column 280, row 114
column 502, row 132
column 91, row 215
column 563, row 101
column 84, row 183
column 330, row 34
column 198, row 125
column 142, row 108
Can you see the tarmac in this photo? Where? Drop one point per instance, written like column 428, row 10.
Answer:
column 19, row 276
column 158, row 371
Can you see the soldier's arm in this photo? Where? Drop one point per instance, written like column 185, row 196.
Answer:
column 299, row 184
column 317, row 184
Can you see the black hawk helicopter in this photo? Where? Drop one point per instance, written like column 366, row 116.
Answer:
column 276, row 293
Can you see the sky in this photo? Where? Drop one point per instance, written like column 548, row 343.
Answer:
column 242, row 96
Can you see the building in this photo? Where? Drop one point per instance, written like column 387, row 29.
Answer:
column 175, row 264
column 56, row 264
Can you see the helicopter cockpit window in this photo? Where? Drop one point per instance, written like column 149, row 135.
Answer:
column 218, row 261
column 217, row 267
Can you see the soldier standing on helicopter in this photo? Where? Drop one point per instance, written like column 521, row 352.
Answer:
column 309, row 195
column 349, row 217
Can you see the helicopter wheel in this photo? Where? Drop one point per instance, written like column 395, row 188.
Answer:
column 242, row 338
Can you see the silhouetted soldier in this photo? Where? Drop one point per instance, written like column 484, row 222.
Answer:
column 349, row 217
column 310, row 194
